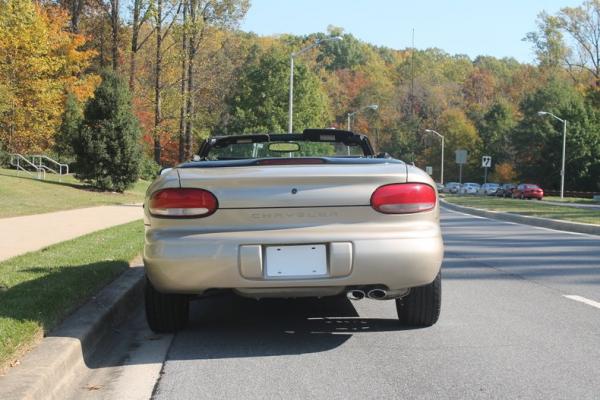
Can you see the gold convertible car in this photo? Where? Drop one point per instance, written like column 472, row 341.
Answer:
column 292, row 215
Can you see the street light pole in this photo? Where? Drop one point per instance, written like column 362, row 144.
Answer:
column 292, row 55
column 291, row 100
column 373, row 107
column 564, row 146
column 442, row 165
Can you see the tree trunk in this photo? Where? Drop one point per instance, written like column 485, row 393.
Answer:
column 76, row 9
column 114, row 24
column 182, row 114
column 190, row 99
column 157, row 84
column 190, row 78
column 135, row 31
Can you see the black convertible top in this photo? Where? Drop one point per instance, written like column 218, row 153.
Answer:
column 309, row 135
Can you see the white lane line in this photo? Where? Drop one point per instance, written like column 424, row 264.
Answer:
column 582, row 300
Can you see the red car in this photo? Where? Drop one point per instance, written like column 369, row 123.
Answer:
column 528, row 191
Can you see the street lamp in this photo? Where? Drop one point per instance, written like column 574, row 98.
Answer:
column 294, row 54
column 373, row 107
column 562, row 170
column 442, row 166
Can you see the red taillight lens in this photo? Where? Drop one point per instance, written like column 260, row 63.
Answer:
column 182, row 203
column 403, row 198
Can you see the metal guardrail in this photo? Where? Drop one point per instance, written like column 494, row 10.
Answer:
column 40, row 160
column 21, row 163
column 585, row 195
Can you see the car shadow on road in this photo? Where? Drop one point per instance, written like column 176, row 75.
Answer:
column 232, row 327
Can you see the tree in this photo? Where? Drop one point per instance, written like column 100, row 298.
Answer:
column 201, row 15
column 40, row 61
column 573, row 35
column 108, row 144
column 538, row 140
column 260, row 103
column 69, row 128
column 141, row 11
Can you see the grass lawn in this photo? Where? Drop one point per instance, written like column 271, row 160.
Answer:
column 532, row 208
column 578, row 200
column 39, row 289
column 24, row 195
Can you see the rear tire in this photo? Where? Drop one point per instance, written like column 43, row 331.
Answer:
column 421, row 307
column 165, row 313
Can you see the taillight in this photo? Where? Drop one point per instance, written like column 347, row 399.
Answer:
column 182, row 203
column 403, row 198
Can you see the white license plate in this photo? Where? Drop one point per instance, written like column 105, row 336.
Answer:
column 296, row 261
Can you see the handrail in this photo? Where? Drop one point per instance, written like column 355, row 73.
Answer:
column 40, row 157
column 41, row 173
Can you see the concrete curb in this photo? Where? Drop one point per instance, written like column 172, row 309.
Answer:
column 61, row 357
column 522, row 219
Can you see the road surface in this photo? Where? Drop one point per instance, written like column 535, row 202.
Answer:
column 520, row 319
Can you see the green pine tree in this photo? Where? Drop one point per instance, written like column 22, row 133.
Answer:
column 69, row 129
column 108, row 142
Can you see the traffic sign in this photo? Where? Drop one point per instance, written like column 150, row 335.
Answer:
column 461, row 156
column 486, row 161
column 429, row 170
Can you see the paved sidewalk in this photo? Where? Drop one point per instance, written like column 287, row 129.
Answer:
column 19, row 235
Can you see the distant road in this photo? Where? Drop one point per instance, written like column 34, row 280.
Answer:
column 520, row 319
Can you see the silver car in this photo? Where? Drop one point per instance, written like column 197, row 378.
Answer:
column 292, row 215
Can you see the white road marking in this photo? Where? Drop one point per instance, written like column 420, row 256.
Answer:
column 582, row 300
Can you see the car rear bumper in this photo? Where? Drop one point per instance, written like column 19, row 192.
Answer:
column 192, row 263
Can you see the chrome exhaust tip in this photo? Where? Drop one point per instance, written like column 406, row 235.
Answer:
column 355, row 294
column 377, row 294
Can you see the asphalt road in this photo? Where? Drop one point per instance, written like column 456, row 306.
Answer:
column 507, row 330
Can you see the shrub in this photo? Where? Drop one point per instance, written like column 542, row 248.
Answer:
column 107, row 144
column 149, row 169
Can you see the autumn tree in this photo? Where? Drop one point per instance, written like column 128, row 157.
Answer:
column 201, row 16
column 40, row 61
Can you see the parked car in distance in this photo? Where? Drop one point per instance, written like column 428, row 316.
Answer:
column 528, row 191
column 439, row 187
column 452, row 187
column 470, row 188
column 489, row 189
column 505, row 190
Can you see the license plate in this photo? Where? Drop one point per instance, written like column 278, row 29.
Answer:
column 296, row 261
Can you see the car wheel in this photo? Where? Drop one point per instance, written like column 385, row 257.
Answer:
column 421, row 307
column 165, row 313
column 539, row 199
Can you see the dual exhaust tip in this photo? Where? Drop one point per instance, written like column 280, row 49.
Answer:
column 374, row 294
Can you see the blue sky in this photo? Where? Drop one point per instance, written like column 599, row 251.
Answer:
column 484, row 27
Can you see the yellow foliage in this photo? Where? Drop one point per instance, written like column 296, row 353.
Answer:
column 40, row 61
column 504, row 172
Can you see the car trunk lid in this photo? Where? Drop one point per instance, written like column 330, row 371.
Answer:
column 288, row 186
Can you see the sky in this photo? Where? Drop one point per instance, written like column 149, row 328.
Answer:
column 472, row 27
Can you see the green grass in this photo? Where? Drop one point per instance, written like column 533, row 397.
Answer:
column 532, row 208
column 24, row 195
column 578, row 200
column 39, row 289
